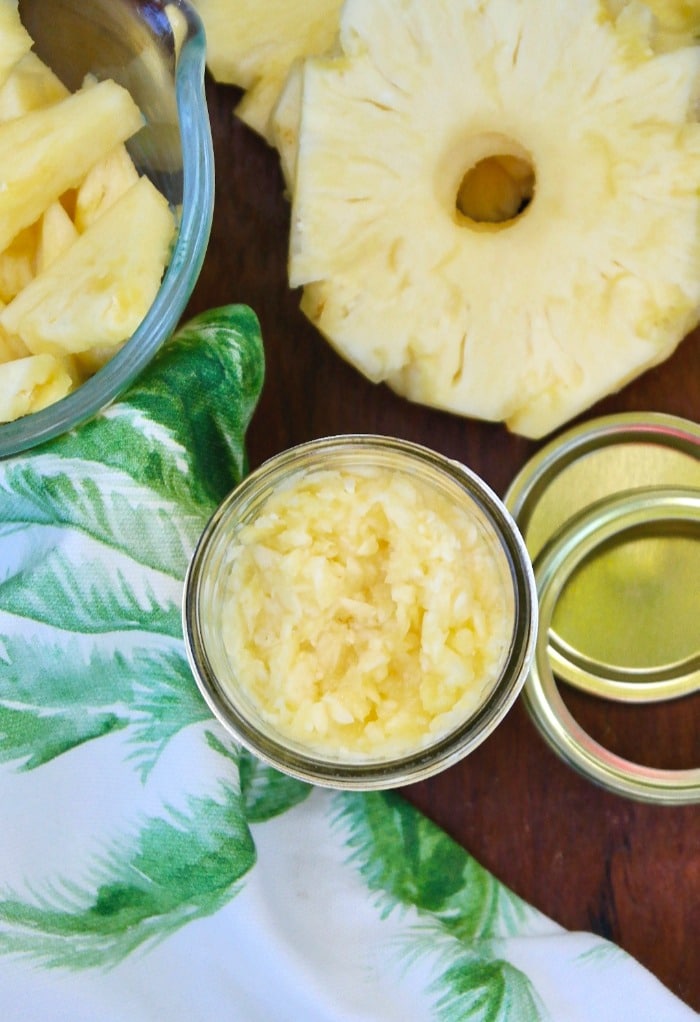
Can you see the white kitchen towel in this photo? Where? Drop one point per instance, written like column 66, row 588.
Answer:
column 149, row 868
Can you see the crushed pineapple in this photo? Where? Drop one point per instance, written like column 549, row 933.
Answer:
column 365, row 614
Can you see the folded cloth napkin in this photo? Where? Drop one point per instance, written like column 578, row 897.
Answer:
column 149, row 868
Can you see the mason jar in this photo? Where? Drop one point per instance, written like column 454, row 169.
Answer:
column 360, row 612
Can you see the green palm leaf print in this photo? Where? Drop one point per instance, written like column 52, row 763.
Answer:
column 409, row 862
column 96, row 529
column 172, row 871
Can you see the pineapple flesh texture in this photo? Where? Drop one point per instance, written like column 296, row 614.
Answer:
column 57, row 232
column 532, row 319
column 15, row 41
column 50, row 150
column 284, row 123
column 10, row 347
column 253, row 43
column 31, row 85
column 104, row 184
column 98, row 290
column 674, row 22
column 32, row 383
column 17, row 262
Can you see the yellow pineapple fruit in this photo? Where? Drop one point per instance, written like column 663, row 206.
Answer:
column 10, row 346
column 284, row 123
column 104, row 184
column 33, row 249
column 30, row 85
column 253, row 43
column 675, row 22
column 590, row 272
column 48, row 151
column 15, row 41
column 83, row 240
column 99, row 289
column 32, row 383
column 91, row 361
column 17, row 262
column 57, row 232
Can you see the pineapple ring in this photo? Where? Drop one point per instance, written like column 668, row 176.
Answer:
column 535, row 320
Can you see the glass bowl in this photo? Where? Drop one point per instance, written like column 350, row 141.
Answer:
column 155, row 49
column 426, row 480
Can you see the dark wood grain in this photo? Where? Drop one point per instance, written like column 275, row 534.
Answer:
column 589, row 859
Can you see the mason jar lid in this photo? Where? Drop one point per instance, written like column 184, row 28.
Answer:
column 610, row 514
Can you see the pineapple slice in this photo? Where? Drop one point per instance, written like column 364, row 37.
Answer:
column 32, row 383
column 31, row 85
column 50, row 150
column 531, row 318
column 253, row 43
column 98, row 291
column 15, row 41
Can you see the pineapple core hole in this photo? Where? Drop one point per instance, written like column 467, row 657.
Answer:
column 496, row 190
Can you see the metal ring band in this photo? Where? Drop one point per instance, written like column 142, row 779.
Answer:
column 553, row 568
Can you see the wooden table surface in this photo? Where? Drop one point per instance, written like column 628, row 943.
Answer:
column 589, row 859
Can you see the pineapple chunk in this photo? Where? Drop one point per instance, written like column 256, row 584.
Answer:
column 98, row 291
column 17, row 263
column 32, row 383
column 57, row 233
column 108, row 179
column 10, row 347
column 50, row 150
column 253, row 44
column 91, row 361
column 33, row 249
column 534, row 317
column 30, row 86
column 83, row 240
column 15, row 41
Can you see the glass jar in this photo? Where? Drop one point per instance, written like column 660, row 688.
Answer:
column 207, row 592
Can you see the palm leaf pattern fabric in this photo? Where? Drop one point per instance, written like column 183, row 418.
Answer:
column 149, row 867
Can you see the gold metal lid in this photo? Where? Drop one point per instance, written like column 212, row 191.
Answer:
column 610, row 513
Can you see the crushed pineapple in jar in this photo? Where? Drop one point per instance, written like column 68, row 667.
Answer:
column 365, row 613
